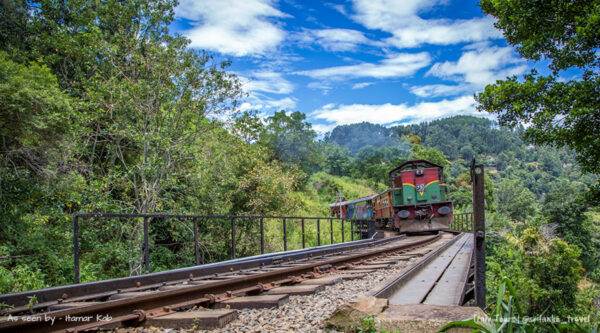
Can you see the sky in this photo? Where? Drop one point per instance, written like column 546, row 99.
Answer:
column 342, row 62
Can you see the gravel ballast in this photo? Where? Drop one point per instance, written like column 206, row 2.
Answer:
column 303, row 313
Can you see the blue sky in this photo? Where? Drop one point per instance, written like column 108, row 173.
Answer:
column 342, row 62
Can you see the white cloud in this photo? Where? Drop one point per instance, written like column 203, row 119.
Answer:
column 340, row 8
column 323, row 128
column 391, row 113
column 480, row 66
column 286, row 103
column 398, row 65
column 444, row 32
column 267, row 81
column 400, row 18
column 235, row 27
column 361, row 85
column 436, row 90
column 268, row 104
column 338, row 39
column 324, row 86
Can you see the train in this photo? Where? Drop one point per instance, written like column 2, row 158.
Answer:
column 416, row 201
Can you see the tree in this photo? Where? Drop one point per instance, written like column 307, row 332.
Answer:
column 35, row 114
column 356, row 136
column 144, row 104
column 563, row 207
column 292, row 140
column 338, row 159
column 370, row 163
column 419, row 152
column 560, row 111
column 515, row 200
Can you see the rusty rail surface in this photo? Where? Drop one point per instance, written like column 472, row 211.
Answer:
column 282, row 270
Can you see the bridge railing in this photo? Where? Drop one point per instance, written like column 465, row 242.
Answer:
column 237, row 235
column 462, row 222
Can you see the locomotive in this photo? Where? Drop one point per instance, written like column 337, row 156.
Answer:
column 416, row 201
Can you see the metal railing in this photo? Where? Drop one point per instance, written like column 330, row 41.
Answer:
column 356, row 227
column 462, row 222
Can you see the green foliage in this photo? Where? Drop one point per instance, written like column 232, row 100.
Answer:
column 103, row 109
column 21, row 277
column 565, row 209
column 338, row 159
column 547, row 272
column 433, row 155
column 560, row 111
column 291, row 139
column 508, row 317
column 144, row 138
column 367, row 325
column 514, row 200
column 356, row 136
column 462, row 136
column 34, row 114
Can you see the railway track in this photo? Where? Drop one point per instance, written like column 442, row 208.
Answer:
column 210, row 286
column 440, row 278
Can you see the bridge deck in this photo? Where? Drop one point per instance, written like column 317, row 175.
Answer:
column 441, row 280
column 449, row 289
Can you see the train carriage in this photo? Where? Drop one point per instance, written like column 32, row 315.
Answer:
column 359, row 209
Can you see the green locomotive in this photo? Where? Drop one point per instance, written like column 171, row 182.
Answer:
column 416, row 201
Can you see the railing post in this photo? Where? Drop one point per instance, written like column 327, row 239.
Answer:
column 76, row 247
column 319, row 232
column 303, row 238
column 351, row 231
column 477, row 175
column 262, row 236
column 331, row 230
column 284, row 236
column 196, row 248
column 232, row 238
column 371, row 228
column 360, row 231
column 469, row 223
column 342, row 230
column 146, row 245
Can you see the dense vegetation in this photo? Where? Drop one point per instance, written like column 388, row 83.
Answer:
column 103, row 110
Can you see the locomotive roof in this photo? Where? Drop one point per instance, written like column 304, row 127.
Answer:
column 344, row 203
column 415, row 165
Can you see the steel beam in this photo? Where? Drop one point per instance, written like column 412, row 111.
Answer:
column 477, row 177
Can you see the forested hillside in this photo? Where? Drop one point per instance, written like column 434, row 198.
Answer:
column 103, row 110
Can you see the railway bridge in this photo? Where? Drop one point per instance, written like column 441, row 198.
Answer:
column 400, row 281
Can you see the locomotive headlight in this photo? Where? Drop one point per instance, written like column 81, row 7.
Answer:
column 444, row 210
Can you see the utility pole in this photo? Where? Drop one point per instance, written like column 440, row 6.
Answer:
column 477, row 175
